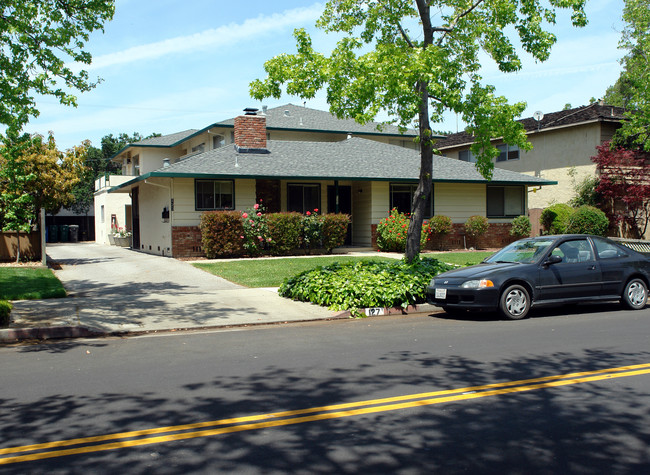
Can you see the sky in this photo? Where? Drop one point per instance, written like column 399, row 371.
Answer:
column 168, row 66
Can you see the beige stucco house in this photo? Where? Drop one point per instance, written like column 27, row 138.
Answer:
column 563, row 144
column 294, row 159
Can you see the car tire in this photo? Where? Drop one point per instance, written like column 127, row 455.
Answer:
column 635, row 295
column 515, row 302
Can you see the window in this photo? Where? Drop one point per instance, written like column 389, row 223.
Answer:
column 102, row 216
column 505, row 201
column 606, row 250
column 303, row 197
column 507, row 152
column 199, row 148
column 136, row 165
column 466, row 156
column 573, row 252
column 401, row 197
column 214, row 194
column 218, row 141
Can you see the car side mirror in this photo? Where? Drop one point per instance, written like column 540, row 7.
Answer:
column 552, row 259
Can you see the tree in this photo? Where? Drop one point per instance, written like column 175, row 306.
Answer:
column 97, row 162
column 624, row 187
column 38, row 37
column 631, row 89
column 394, row 58
column 34, row 175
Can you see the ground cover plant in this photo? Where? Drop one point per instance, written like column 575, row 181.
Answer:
column 26, row 283
column 365, row 284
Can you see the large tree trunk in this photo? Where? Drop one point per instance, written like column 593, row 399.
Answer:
column 422, row 195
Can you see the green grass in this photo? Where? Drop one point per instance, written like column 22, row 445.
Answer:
column 26, row 283
column 461, row 258
column 272, row 272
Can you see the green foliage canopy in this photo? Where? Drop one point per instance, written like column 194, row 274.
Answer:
column 38, row 38
column 416, row 60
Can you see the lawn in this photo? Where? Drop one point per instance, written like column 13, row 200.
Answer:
column 26, row 283
column 272, row 272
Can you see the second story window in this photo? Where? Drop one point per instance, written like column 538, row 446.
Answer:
column 466, row 156
column 507, row 152
column 218, row 141
column 199, row 148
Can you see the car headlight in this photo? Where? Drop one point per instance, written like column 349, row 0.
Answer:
column 477, row 284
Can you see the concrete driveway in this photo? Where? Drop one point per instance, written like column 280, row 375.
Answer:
column 113, row 289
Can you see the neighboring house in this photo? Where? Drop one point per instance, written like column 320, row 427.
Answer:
column 562, row 142
column 295, row 159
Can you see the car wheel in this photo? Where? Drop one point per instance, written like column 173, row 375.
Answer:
column 635, row 295
column 515, row 302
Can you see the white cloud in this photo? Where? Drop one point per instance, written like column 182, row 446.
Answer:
column 226, row 35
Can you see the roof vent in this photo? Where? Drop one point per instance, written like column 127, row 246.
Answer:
column 286, row 113
column 264, row 109
column 166, row 163
column 250, row 111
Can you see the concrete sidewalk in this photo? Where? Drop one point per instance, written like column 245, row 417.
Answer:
column 113, row 290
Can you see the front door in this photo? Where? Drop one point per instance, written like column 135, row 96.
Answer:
column 577, row 276
column 135, row 218
column 344, row 204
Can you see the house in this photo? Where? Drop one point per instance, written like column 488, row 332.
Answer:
column 563, row 144
column 294, row 159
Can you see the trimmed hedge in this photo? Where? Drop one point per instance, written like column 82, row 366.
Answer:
column 364, row 284
column 475, row 227
column 587, row 220
column 554, row 218
column 285, row 230
column 439, row 227
column 5, row 310
column 521, row 227
column 222, row 234
column 335, row 228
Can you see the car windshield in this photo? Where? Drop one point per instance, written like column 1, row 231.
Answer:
column 525, row 251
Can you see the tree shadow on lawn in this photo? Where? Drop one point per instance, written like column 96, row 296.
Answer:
column 586, row 428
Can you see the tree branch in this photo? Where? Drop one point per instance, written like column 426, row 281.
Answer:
column 450, row 28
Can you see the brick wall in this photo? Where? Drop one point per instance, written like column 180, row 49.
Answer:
column 186, row 241
column 250, row 131
column 497, row 235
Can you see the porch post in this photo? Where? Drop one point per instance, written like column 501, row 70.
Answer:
column 336, row 193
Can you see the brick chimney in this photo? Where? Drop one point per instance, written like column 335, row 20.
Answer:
column 250, row 132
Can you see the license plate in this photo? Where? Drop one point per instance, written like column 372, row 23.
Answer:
column 441, row 293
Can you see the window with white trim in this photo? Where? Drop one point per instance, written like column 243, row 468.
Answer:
column 401, row 197
column 466, row 156
column 508, row 152
column 303, row 197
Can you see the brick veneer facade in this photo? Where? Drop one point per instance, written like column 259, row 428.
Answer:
column 186, row 241
column 497, row 235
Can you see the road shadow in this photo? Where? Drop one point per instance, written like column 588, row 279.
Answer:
column 596, row 428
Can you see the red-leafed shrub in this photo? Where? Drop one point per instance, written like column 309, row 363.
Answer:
column 222, row 234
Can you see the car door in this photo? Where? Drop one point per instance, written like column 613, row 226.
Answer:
column 577, row 276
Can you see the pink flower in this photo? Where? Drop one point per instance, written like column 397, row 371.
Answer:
column 268, row 240
column 259, row 237
column 245, row 215
column 308, row 213
column 259, row 214
column 256, row 206
column 241, row 237
column 315, row 210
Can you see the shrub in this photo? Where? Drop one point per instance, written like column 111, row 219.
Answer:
column 5, row 310
column 364, row 284
column 312, row 229
column 439, row 227
column 475, row 227
column 521, row 227
column 335, row 228
column 285, row 232
column 256, row 236
column 222, row 234
column 554, row 218
column 392, row 232
column 587, row 220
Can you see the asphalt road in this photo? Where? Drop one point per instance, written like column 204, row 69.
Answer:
column 415, row 394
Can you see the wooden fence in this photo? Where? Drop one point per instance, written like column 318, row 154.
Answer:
column 30, row 246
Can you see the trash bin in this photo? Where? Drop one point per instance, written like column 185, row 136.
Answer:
column 74, row 233
column 64, row 232
column 52, row 233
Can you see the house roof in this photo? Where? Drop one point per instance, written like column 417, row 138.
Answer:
column 580, row 115
column 351, row 159
column 286, row 117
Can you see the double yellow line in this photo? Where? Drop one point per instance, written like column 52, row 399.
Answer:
column 100, row 443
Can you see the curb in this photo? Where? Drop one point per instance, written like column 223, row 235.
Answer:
column 8, row 335
column 382, row 312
